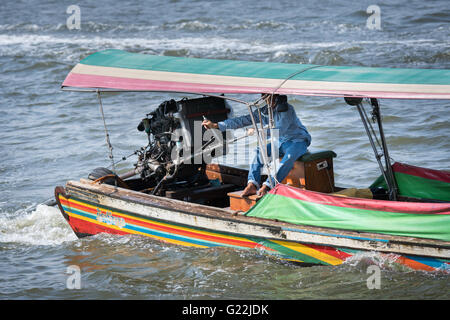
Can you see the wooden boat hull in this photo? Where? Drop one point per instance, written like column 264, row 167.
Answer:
column 92, row 208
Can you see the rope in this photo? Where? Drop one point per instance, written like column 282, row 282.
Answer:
column 260, row 145
column 371, row 128
column 262, row 141
column 108, row 142
column 329, row 179
column 256, row 104
column 124, row 158
column 116, row 179
column 272, row 145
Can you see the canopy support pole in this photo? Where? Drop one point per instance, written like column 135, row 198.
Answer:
column 393, row 188
column 387, row 174
column 377, row 155
column 108, row 142
column 261, row 146
column 272, row 144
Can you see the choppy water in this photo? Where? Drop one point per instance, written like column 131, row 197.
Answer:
column 48, row 136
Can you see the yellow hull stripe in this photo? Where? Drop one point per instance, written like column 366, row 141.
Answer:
column 310, row 252
column 133, row 231
column 153, row 222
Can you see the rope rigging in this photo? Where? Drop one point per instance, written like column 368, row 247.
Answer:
column 260, row 133
column 108, row 142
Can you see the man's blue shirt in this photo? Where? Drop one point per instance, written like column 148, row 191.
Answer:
column 289, row 125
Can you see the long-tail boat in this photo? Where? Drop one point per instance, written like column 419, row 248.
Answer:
column 404, row 215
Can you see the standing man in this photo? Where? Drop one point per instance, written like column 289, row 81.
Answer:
column 293, row 142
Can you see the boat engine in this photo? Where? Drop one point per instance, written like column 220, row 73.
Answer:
column 155, row 160
column 168, row 161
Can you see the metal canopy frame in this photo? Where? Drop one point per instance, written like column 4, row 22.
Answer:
column 262, row 145
column 386, row 170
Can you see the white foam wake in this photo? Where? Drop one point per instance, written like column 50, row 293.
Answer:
column 43, row 226
column 215, row 44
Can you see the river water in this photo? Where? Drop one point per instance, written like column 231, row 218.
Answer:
column 49, row 136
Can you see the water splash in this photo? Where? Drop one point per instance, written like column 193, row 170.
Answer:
column 43, row 226
column 386, row 262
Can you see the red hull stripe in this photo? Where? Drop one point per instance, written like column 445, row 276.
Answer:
column 330, row 251
column 83, row 226
column 421, row 172
column 364, row 204
column 413, row 264
column 169, row 229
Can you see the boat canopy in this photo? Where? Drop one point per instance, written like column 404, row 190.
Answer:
column 117, row 70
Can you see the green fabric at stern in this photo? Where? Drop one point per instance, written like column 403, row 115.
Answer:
column 274, row 206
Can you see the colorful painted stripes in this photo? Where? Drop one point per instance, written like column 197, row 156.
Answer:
column 134, row 225
column 87, row 218
column 120, row 70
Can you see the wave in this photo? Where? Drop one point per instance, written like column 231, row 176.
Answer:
column 7, row 39
column 86, row 26
column 434, row 17
column 34, row 42
column 363, row 260
column 262, row 25
column 44, row 226
column 189, row 25
column 181, row 25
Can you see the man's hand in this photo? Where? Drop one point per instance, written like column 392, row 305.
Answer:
column 208, row 124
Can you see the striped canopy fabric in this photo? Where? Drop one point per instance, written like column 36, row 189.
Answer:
column 121, row 70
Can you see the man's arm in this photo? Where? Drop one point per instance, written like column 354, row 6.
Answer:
column 234, row 123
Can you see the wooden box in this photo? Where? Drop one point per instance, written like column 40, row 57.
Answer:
column 313, row 171
column 239, row 203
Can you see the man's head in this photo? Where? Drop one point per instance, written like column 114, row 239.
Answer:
column 270, row 99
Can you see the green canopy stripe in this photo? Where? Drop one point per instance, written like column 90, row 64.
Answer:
column 268, row 70
column 116, row 69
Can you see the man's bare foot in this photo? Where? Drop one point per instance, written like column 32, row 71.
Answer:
column 263, row 190
column 249, row 190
